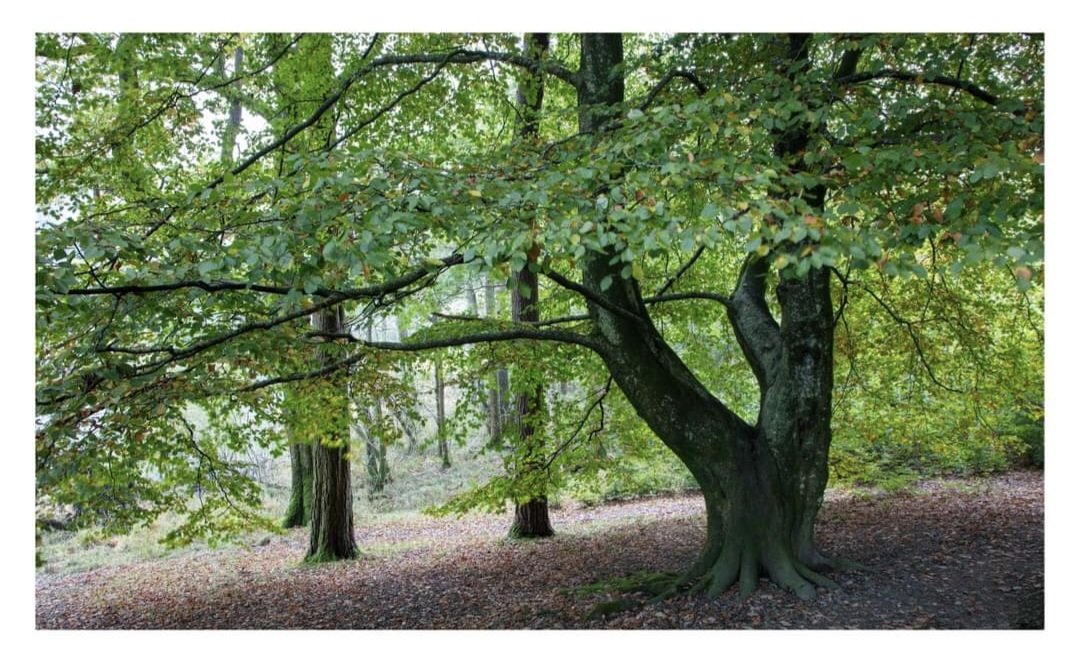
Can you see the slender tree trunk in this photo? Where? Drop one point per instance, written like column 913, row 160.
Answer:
column 531, row 517
column 374, row 448
column 331, row 531
column 494, row 391
column 408, row 426
column 440, row 416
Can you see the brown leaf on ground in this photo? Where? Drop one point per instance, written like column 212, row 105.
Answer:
column 948, row 554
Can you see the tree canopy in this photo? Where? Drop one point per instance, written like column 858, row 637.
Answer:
column 673, row 180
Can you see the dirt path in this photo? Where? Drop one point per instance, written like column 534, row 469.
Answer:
column 947, row 555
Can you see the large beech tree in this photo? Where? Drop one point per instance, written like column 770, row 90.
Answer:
column 787, row 171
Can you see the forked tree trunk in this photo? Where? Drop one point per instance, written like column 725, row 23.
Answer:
column 762, row 483
column 331, row 531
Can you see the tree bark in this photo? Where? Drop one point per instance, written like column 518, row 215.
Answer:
column 230, row 133
column 299, row 511
column 532, row 516
column 331, row 531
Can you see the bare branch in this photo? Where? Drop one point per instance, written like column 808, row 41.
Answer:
column 666, row 79
column 221, row 286
column 468, row 57
column 307, row 375
column 591, row 295
column 680, row 272
column 917, row 77
column 514, row 333
column 596, row 403
column 679, row 296
column 909, row 326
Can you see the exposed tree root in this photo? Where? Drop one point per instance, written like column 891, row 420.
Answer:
column 745, row 567
column 715, row 572
column 822, row 563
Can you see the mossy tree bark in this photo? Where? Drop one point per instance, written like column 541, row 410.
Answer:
column 331, row 529
column 763, row 483
column 299, row 510
column 532, row 516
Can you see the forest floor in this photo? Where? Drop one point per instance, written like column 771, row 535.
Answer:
column 944, row 554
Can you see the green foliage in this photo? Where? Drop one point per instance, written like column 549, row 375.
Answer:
column 630, row 476
column 364, row 160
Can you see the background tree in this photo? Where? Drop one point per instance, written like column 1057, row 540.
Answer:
column 531, row 517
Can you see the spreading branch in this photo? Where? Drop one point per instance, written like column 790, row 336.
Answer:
column 917, row 77
column 384, row 288
column 305, row 375
column 514, row 333
column 591, row 295
column 596, row 403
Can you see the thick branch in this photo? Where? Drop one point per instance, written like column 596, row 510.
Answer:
column 756, row 330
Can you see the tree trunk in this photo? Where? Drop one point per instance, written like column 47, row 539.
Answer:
column 762, row 483
column 531, row 520
column 331, row 531
column 440, row 416
column 374, row 448
column 408, row 425
column 299, row 511
column 532, row 516
column 494, row 391
column 230, row 133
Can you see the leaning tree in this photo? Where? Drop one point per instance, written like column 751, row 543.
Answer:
column 800, row 166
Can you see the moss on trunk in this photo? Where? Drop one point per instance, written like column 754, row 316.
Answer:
column 299, row 510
